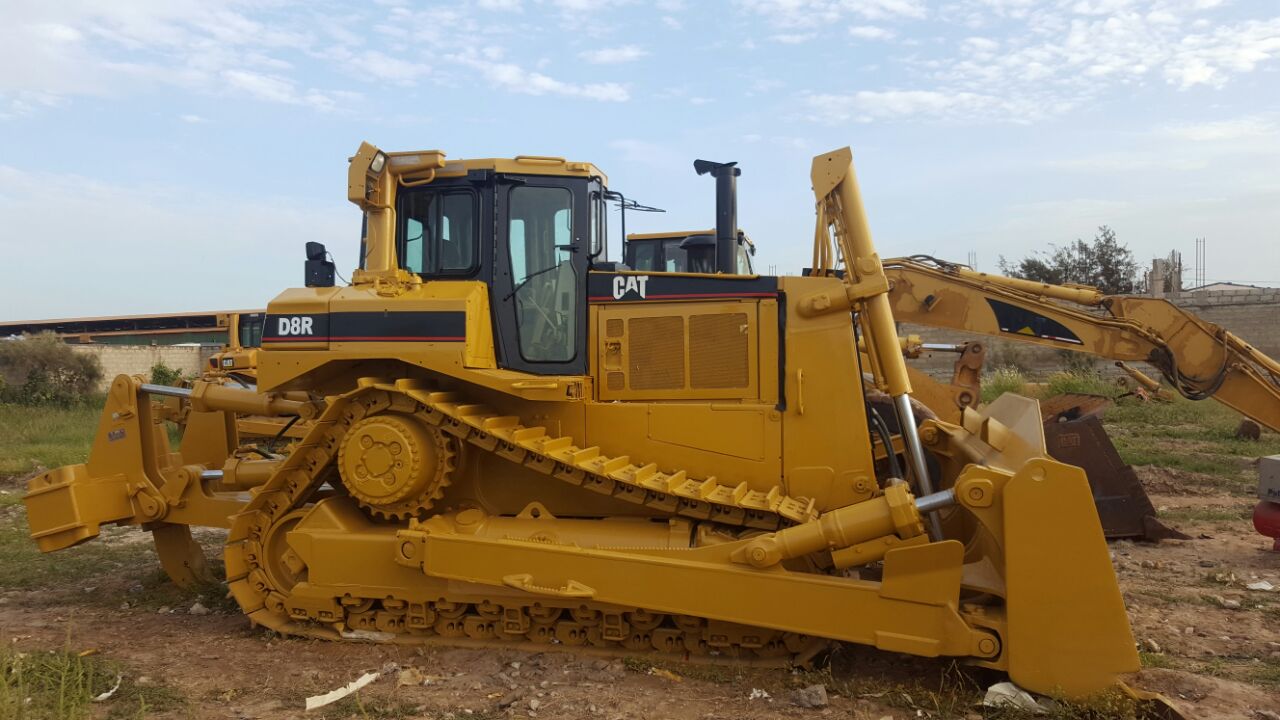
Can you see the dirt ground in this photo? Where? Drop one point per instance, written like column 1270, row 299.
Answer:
column 1208, row 643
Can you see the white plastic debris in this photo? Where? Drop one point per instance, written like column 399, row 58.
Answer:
column 1006, row 694
column 758, row 694
column 1262, row 585
column 333, row 696
column 369, row 635
column 107, row 695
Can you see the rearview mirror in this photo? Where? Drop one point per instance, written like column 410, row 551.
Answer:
column 318, row 271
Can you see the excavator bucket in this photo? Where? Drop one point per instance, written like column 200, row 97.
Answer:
column 1123, row 505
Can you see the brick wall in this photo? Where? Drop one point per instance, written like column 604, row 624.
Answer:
column 138, row 359
column 1249, row 313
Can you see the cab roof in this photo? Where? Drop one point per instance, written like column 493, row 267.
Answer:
column 519, row 165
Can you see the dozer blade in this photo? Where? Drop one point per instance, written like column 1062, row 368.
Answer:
column 1067, row 625
column 1123, row 505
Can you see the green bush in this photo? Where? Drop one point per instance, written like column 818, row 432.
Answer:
column 162, row 374
column 1000, row 381
column 43, row 370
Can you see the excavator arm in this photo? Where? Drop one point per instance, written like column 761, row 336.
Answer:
column 1198, row 358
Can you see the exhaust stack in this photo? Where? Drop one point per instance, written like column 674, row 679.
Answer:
column 726, row 175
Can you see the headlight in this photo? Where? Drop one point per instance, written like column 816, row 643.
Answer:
column 379, row 161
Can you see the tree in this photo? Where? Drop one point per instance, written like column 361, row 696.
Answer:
column 1104, row 263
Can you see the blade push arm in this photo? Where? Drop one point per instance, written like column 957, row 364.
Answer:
column 1198, row 358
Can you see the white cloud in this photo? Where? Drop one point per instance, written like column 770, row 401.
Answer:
column 820, row 13
column 1036, row 60
column 192, row 119
column 868, row 106
column 262, row 87
column 614, row 55
column 672, row 22
column 512, row 77
column 871, row 32
column 793, row 38
column 273, row 88
column 390, row 69
column 74, row 214
column 1211, row 58
column 26, row 102
column 1251, row 126
column 76, row 49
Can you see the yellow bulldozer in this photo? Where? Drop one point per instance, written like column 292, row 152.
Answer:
column 509, row 438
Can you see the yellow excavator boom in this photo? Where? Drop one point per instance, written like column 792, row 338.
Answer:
column 1198, row 358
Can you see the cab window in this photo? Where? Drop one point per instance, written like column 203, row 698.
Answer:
column 674, row 258
column 744, row 261
column 439, row 232
column 250, row 330
column 540, row 233
column 599, row 228
column 645, row 254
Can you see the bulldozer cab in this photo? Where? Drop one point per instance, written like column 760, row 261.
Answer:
column 533, row 230
column 679, row 252
column 533, row 255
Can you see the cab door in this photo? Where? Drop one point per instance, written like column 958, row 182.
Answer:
column 539, row 279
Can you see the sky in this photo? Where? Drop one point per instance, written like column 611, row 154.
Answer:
column 175, row 155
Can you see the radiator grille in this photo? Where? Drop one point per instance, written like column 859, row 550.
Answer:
column 718, row 351
column 613, row 328
column 656, row 351
column 615, row 381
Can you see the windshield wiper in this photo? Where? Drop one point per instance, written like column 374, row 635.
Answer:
column 529, row 277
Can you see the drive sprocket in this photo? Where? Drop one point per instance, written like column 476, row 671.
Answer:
column 395, row 465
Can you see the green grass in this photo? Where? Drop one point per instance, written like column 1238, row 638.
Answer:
column 1157, row 660
column 1000, row 381
column 1184, row 419
column 1197, row 437
column 1139, row 450
column 31, row 437
column 61, row 685
column 24, row 567
column 1267, row 673
column 950, row 690
column 1084, row 382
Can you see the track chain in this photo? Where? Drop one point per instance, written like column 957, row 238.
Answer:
column 541, row 622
